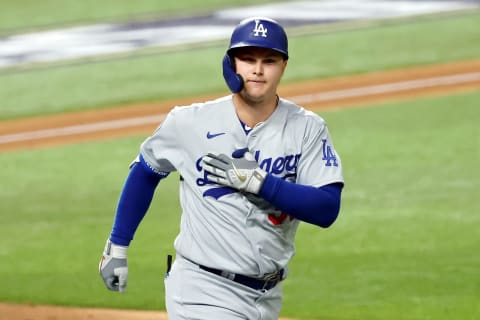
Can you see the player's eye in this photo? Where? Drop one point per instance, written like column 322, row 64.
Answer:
column 247, row 58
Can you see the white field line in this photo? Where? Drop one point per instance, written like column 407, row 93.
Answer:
column 81, row 129
column 301, row 99
column 387, row 88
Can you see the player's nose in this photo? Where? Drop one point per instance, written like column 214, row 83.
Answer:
column 258, row 68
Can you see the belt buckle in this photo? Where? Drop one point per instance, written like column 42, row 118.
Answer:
column 271, row 278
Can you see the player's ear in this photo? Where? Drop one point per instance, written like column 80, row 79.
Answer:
column 234, row 80
column 285, row 63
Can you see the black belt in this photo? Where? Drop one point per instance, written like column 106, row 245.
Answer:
column 267, row 283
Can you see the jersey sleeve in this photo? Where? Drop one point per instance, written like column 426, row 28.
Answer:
column 162, row 150
column 319, row 163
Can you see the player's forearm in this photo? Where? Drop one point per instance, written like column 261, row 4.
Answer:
column 319, row 206
column 135, row 199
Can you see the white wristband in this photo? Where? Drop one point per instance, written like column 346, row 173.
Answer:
column 256, row 181
column 115, row 250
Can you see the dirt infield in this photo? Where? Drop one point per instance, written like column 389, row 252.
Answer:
column 315, row 94
column 32, row 312
column 142, row 119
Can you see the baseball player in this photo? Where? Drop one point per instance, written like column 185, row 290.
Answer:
column 252, row 166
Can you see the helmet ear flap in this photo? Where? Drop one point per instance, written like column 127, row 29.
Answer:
column 234, row 80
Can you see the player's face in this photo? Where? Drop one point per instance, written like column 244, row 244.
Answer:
column 261, row 70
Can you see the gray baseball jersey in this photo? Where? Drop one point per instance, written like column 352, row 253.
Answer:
column 220, row 227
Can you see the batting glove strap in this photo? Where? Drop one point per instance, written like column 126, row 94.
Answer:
column 115, row 250
column 255, row 182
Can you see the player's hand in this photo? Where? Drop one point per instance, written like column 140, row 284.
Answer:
column 243, row 173
column 113, row 267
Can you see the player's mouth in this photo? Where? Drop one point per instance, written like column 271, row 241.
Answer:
column 257, row 82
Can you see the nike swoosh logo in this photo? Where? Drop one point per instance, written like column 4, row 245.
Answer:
column 213, row 135
column 241, row 177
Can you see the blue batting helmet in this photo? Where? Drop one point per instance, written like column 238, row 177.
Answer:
column 259, row 32
column 253, row 32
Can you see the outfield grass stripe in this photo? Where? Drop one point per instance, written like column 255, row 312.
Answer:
column 388, row 88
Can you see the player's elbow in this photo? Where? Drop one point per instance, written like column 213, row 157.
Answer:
column 327, row 219
column 329, row 213
column 330, row 207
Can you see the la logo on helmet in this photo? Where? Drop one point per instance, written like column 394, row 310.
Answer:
column 259, row 28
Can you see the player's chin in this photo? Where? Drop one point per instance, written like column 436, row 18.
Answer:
column 256, row 91
column 253, row 97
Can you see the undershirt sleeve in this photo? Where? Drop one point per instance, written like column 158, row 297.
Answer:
column 135, row 199
column 316, row 205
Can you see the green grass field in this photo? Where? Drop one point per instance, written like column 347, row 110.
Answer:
column 178, row 73
column 404, row 246
column 406, row 238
